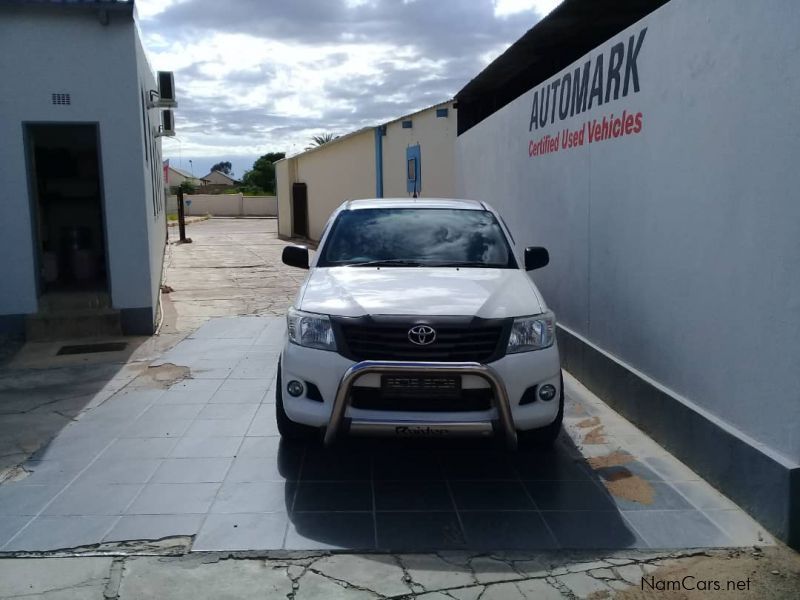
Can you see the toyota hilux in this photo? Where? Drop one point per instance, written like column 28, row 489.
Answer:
column 418, row 318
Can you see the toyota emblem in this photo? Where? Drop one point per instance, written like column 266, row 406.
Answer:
column 422, row 335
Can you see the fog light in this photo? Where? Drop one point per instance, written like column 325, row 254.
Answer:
column 295, row 388
column 546, row 392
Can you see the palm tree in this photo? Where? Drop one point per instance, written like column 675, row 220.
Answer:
column 321, row 140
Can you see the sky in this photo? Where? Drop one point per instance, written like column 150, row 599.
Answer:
column 258, row 76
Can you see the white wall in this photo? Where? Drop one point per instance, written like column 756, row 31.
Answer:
column 226, row 205
column 70, row 51
column 436, row 137
column 677, row 250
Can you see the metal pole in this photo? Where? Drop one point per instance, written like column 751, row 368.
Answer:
column 181, row 220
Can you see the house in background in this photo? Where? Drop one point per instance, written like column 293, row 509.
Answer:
column 411, row 155
column 82, row 217
column 176, row 176
column 217, row 181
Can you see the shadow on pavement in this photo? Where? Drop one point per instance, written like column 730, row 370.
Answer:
column 428, row 495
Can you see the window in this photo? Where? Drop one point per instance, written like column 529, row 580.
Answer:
column 412, row 169
column 441, row 113
column 417, row 237
column 407, row 124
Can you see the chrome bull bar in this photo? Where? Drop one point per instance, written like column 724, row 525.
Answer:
column 358, row 370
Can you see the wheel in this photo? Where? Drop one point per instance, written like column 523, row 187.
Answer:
column 544, row 437
column 288, row 429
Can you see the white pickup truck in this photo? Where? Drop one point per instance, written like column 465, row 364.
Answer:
column 418, row 319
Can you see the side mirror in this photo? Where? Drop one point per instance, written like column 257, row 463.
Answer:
column 295, row 256
column 536, row 257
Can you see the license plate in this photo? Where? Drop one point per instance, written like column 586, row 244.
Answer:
column 420, row 385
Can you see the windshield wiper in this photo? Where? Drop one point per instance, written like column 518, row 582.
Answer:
column 387, row 262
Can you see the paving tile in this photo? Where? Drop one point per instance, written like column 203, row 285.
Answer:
column 234, row 396
column 333, row 496
column 664, row 497
column 140, row 448
column 263, row 446
column 260, row 469
column 143, row 428
column 217, row 427
column 331, row 531
column 119, row 470
column 174, row 498
column 16, row 500
column 61, row 533
column 412, row 495
column 208, row 447
column 93, row 499
column 331, row 464
column 703, row 496
column 199, row 386
column 256, row 367
column 264, row 423
column 395, row 465
column 470, row 467
column 490, row 495
column 556, row 466
column 220, row 532
column 246, row 385
column 184, row 397
column 592, row 530
column 739, row 527
column 405, row 531
column 669, row 529
column 53, row 472
column 11, row 525
column 228, row 411
column 253, row 497
column 507, row 530
column 192, row 470
column 72, row 445
column 569, row 495
column 153, row 527
column 173, row 411
column 671, row 469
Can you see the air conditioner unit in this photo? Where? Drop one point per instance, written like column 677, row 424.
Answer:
column 166, row 90
column 167, row 124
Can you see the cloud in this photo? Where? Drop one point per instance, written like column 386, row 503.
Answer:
column 255, row 76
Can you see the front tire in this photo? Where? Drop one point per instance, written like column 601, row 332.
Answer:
column 545, row 437
column 288, row 429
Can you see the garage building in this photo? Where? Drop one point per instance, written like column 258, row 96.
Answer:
column 652, row 147
column 82, row 219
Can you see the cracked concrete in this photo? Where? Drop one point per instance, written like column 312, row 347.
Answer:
column 298, row 576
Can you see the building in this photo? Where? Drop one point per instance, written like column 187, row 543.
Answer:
column 176, row 176
column 665, row 187
column 410, row 155
column 82, row 221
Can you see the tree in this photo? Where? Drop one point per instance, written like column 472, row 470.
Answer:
column 262, row 176
column 223, row 167
column 321, row 140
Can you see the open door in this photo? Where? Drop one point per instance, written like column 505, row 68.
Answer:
column 300, row 210
column 67, row 198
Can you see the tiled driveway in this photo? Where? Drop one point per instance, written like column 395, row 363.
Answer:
column 203, row 459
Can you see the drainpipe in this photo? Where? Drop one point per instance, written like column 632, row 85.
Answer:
column 380, row 131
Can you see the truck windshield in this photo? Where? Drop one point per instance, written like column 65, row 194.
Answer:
column 417, row 237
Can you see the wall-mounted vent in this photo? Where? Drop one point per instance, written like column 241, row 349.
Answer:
column 62, row 99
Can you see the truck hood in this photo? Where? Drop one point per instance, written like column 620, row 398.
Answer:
column 358, row 291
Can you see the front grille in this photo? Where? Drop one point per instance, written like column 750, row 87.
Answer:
column 452, row 343
column 374, row 399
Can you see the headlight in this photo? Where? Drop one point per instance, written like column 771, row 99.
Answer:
column 532, row 333
column 310, row 330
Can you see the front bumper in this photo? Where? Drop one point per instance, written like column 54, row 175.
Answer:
column 334, row 375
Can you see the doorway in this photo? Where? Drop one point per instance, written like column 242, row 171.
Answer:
column 67, row 199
